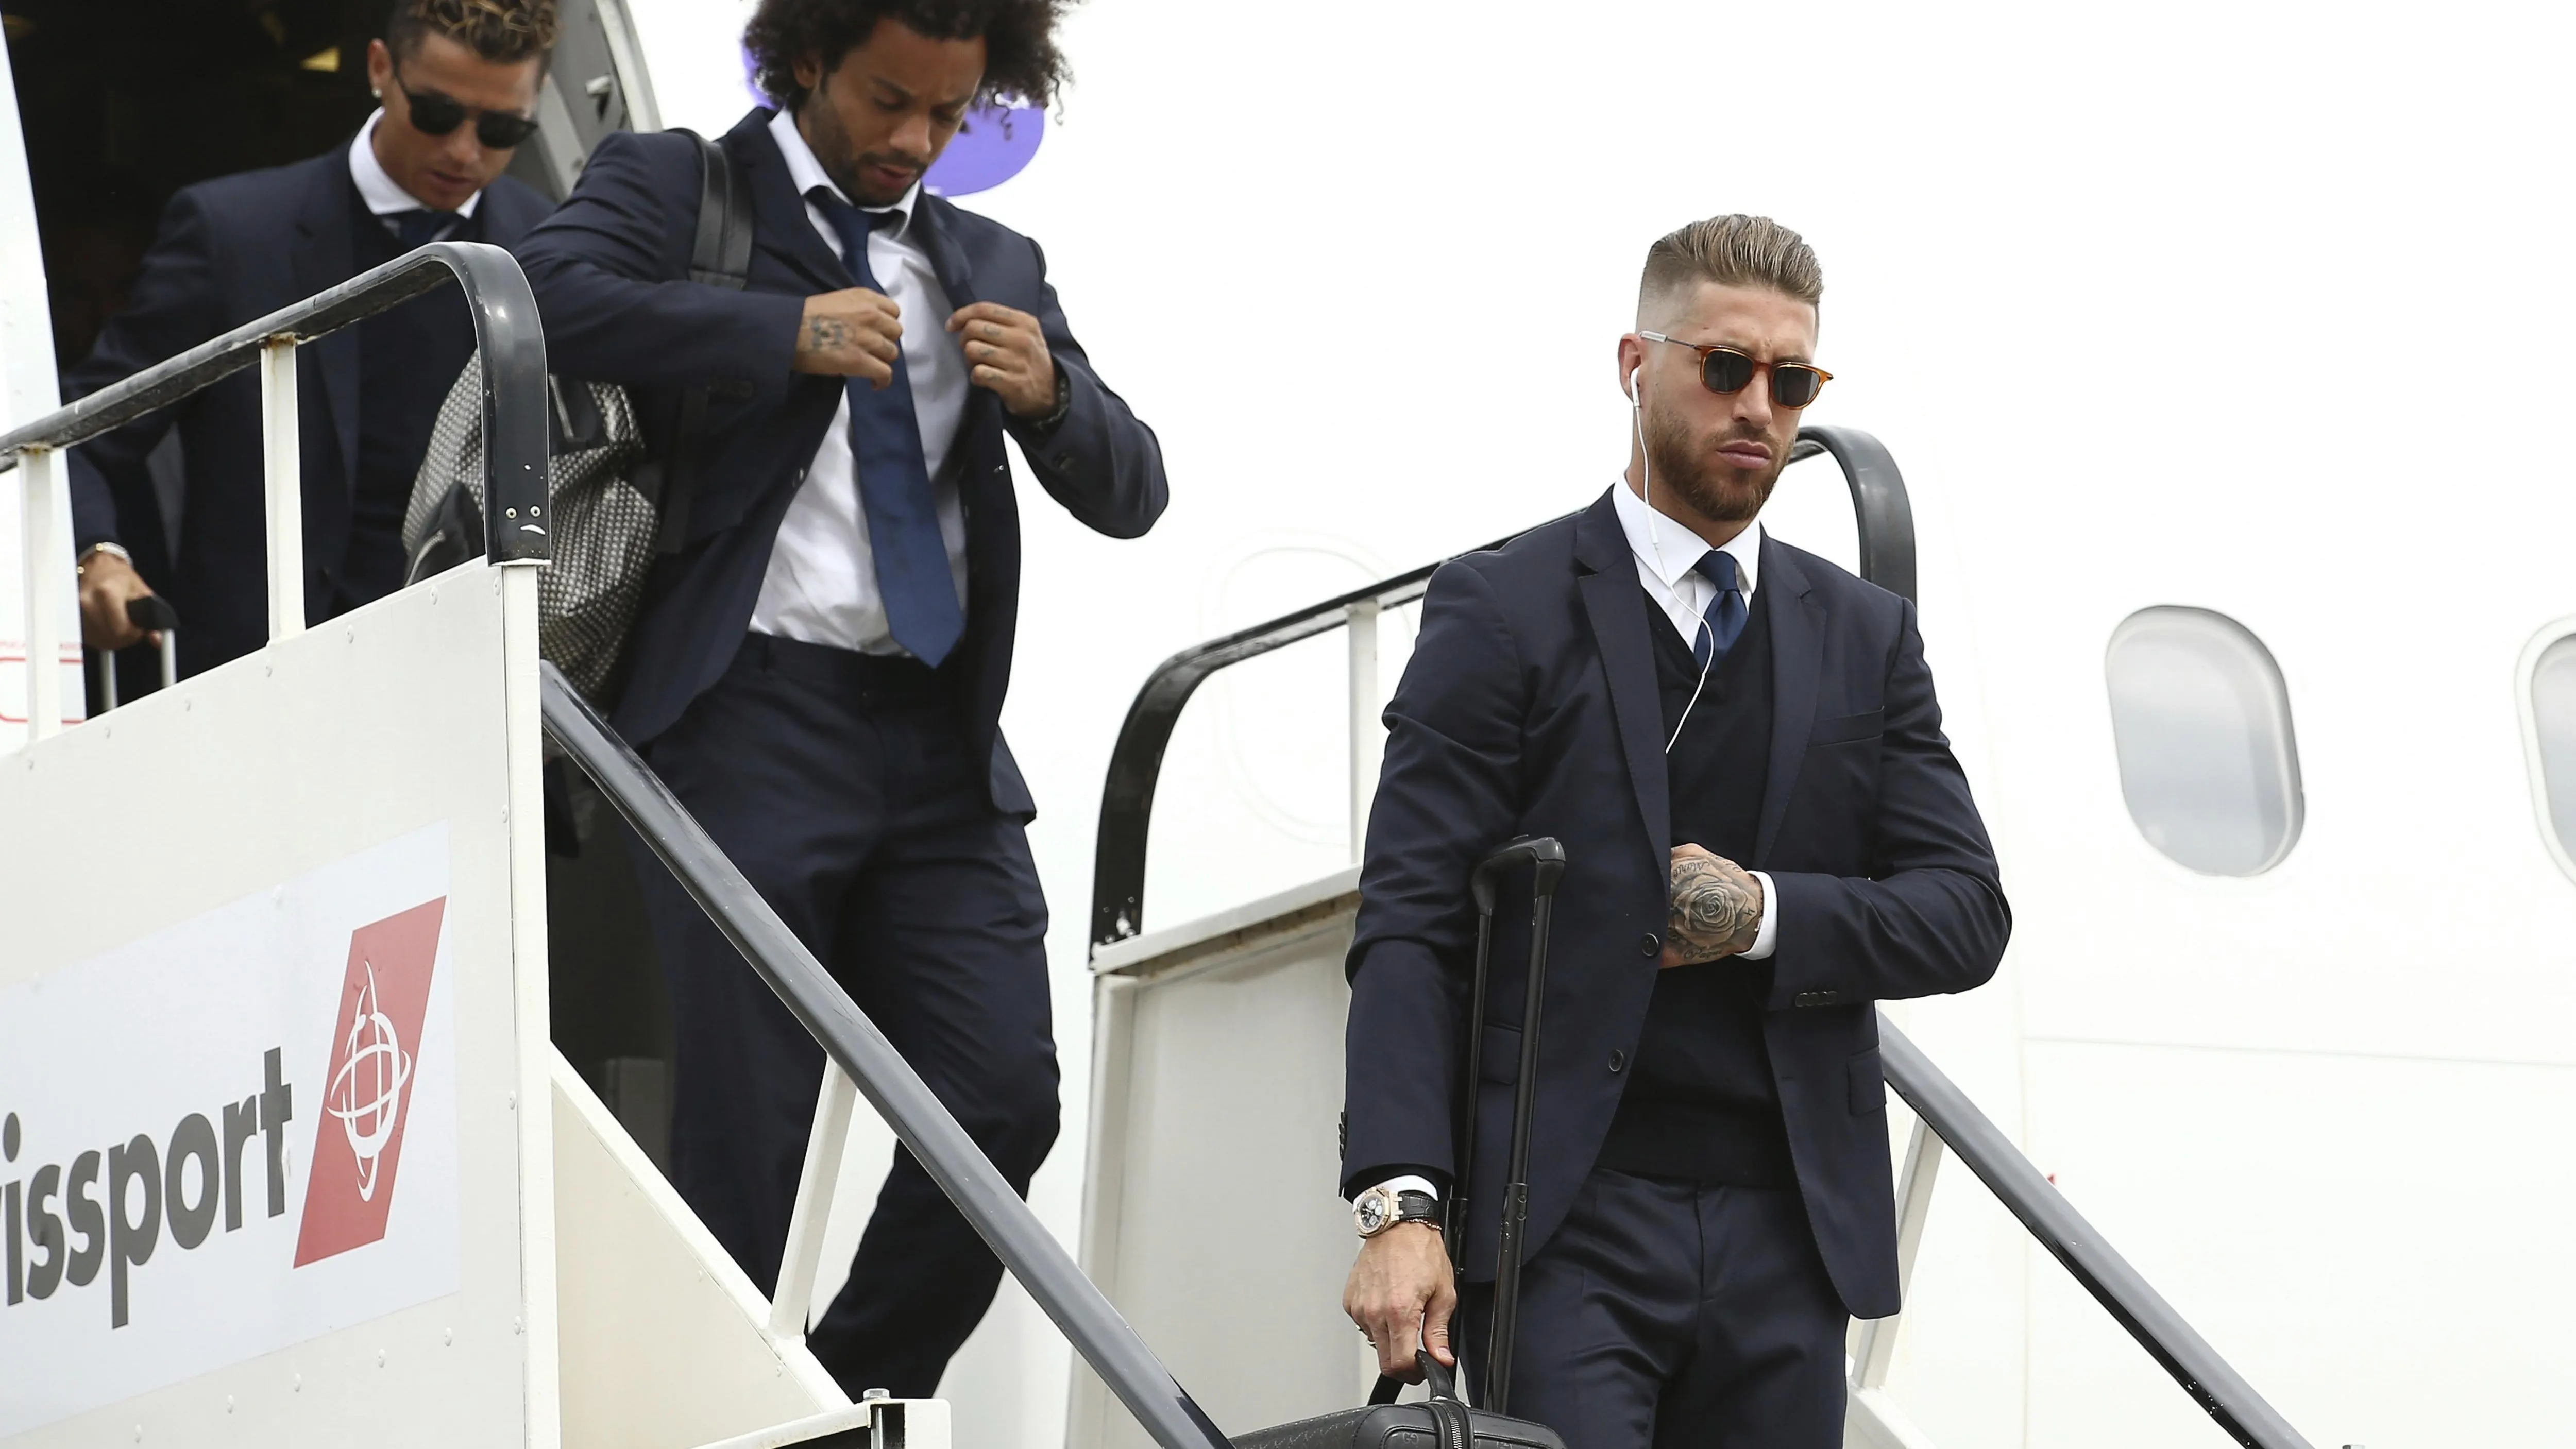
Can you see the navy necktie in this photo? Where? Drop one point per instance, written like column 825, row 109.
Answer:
column 894, row 480
column 420, row 226
column 1725, row 614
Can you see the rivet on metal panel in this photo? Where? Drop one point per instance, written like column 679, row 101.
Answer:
column 228, row 1403
column 451, row 1338
column 299, row 1383
column 514, row 1101
column 380, row 1358
column 138, row 1433
column 518, row 1325
column 353, row 633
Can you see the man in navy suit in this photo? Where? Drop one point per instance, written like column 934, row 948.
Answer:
column 818, row 670
column 1765, row 832
column 458, row 84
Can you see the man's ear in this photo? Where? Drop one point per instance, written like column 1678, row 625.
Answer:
column 380, row 66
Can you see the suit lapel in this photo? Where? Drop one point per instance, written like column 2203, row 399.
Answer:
column 322, row 259
column 947, row 259
column 779, row 223
column 1797, row 663
column 1616, row 605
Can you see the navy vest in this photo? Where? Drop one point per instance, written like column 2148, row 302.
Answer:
column 1700, row 1104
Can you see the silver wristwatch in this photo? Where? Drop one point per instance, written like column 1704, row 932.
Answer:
column 1380, row 1208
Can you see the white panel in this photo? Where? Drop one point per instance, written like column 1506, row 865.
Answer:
column 27, row 392
column 2347, row 1230
column 319, row 784
column 1221, row 1073
column 662, row 1340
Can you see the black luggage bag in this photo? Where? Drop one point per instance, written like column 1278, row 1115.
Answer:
column 1445, row 1421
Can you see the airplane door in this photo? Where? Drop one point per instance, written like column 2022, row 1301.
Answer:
column 597, row 84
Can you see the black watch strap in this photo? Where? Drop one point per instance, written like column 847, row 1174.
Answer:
column 1416, row 1207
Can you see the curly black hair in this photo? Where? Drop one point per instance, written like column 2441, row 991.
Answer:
column 1022, row 63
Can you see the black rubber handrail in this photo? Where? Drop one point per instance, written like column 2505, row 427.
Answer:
column 1974, row 1138
column 1136, row 761
column 507, row 334
column 963, row 1172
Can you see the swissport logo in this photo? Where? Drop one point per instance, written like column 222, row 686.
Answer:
column 358, row 1150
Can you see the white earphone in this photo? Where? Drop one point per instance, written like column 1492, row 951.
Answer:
column 1655, row 539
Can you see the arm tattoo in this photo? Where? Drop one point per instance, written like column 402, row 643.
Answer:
column 1716, row 909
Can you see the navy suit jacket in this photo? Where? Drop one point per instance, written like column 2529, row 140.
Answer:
column 230, row 251
column 1530, row 708
column 611, row 276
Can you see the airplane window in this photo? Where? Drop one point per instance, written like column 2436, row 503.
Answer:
column 2553, row 737
column 2208, row 762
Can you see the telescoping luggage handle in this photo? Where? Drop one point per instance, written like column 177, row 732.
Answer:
column 151, row 613
column 1546, row 859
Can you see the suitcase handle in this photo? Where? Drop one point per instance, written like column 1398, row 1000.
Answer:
column 1545, row 856
column 1442, row 1378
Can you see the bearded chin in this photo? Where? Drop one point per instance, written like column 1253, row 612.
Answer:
column 1715, row 491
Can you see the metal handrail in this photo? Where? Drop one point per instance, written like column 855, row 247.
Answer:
column 2210, row 1380
column 506, row 333
column 1136, row 761
column 857, row 1047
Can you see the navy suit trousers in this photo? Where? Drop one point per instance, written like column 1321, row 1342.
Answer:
column 1665, row 1315
column 843, row 787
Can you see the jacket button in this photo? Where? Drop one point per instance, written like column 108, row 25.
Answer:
column 1618, row 1062
column 1649, row 944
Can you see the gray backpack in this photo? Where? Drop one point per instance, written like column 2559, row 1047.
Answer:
column 615, row 506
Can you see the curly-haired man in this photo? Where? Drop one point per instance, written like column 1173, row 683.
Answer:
column 818, row 672
column 458, row 83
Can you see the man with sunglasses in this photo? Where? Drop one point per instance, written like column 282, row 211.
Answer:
column 458, row 82
column 1765, row 833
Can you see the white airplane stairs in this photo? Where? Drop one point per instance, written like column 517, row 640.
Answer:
column 267, row 1058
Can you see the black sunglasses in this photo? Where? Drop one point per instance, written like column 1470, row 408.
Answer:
column 433, row 114
column 1725, row 370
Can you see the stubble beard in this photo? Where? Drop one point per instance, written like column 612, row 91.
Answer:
column 1716, row 491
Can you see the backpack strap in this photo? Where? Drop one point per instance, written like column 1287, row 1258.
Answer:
column 719, row 256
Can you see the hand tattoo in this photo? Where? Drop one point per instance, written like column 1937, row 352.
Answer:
column 1716, row 909
column 829, row 334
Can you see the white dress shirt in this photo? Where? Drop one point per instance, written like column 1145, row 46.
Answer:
column 382, row 194
column 1667, row 556
column 821, row 586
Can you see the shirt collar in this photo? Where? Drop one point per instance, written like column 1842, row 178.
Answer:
column 808, row 173
column 382, row 194
column 1669, row 551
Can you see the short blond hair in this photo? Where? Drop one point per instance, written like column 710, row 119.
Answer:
column 1732, row 251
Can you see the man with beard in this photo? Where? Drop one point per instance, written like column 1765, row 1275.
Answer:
column 1766, row 834
column 818, row 670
